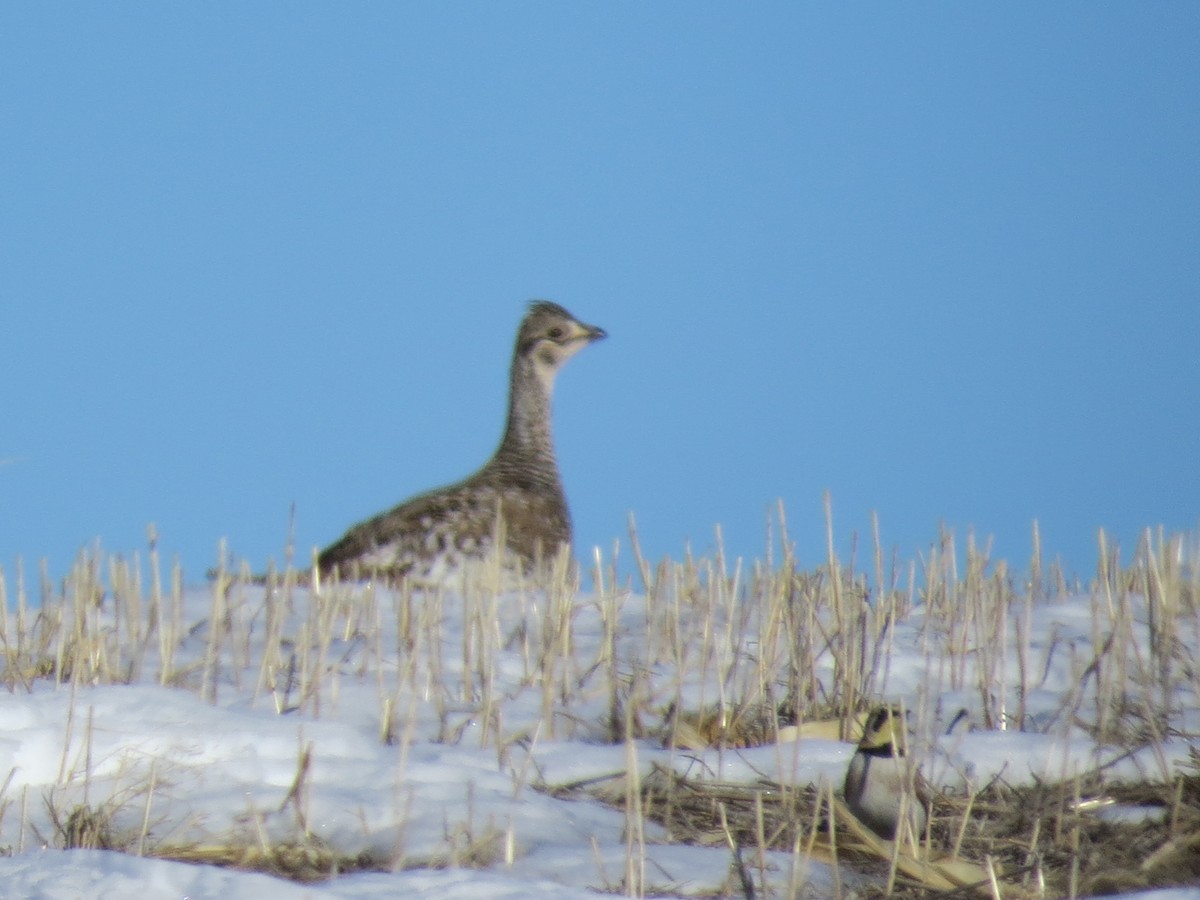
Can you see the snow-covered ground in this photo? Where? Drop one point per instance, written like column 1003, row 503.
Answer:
column 213, row 756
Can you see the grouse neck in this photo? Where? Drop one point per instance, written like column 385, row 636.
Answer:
column 527, row 449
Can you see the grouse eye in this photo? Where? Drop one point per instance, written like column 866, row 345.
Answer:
column 556, row 333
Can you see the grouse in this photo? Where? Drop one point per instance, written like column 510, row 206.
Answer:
column 517, row 494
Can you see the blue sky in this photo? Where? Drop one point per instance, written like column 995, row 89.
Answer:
column 942, row 261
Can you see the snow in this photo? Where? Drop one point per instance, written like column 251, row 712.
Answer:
column 211, row 757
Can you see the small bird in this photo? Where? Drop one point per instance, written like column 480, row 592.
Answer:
column 879, row 776
column 519, row 491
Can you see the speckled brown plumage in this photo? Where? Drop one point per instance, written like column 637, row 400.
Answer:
column 430, row 536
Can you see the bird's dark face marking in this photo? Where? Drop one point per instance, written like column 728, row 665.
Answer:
column 883, row 733
column 879, row 720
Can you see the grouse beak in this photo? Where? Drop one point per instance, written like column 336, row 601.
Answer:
column 593, row 333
